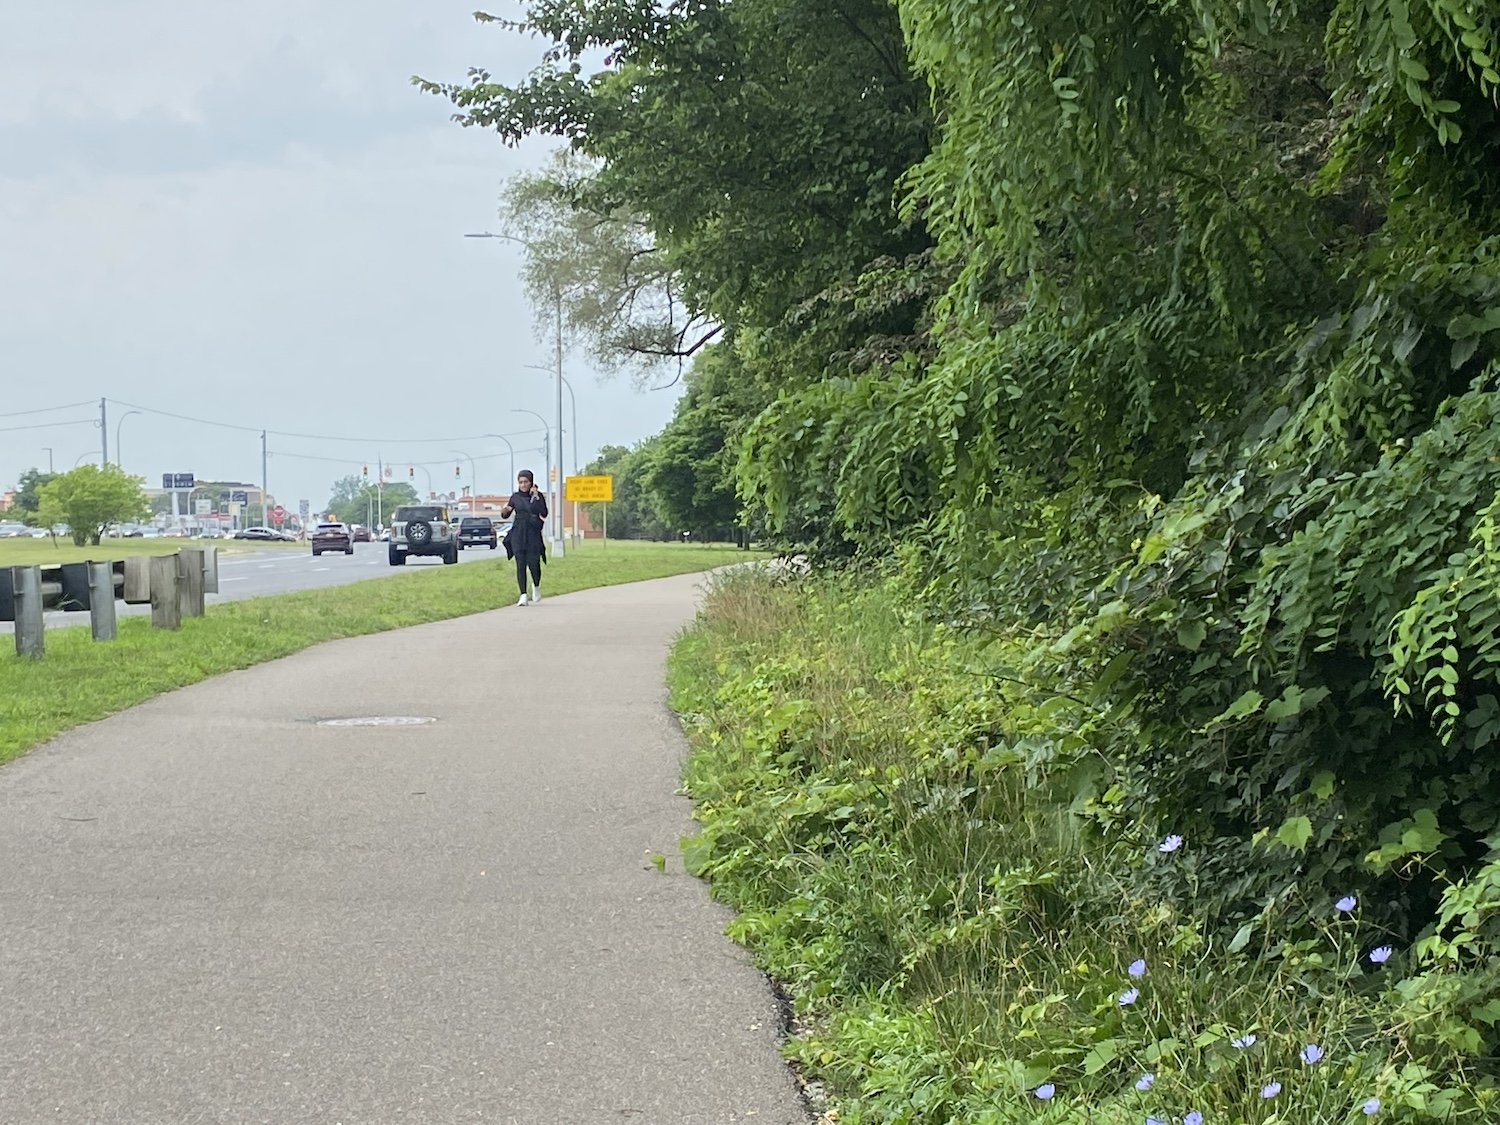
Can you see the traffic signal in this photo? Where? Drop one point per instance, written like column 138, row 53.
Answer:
column 364, row 471
column 457, row 472
column 411, row 473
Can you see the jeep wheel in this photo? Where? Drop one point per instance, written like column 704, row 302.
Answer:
column 348, row 550
column 397, row 557
column 317, row 553
column 419, row 533
column 451, row 556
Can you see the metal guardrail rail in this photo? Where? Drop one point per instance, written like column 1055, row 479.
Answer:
column 173, row 585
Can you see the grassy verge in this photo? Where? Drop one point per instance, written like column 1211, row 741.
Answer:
column 44, row 552
column 81, row 680
column 885, row 817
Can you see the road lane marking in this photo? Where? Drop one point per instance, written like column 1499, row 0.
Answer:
column 242, row 578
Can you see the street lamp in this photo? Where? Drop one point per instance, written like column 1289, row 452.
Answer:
column 119, row 457
column 577, row 468
column 81, row 456
column 473, row 481
column 512, row 449
column 555, row 515
column 48, row 448
column 557, row 538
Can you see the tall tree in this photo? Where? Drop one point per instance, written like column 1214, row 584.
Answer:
column 29, row 493
column 90, row 499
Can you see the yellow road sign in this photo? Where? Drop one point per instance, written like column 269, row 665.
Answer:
column 590, row 488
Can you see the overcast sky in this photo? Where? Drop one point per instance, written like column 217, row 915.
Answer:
column 246, row 214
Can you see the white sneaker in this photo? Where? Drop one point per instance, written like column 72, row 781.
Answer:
column 522, row 601
column 536, row 594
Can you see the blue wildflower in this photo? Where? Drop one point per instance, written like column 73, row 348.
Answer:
column 1170, row 844
column 1193, row 1118
column 1311, row 1053
column 1243, row 1042
column 1381, row 954
column 1346, row 904
column 1129, row 996
column 1270, row 1089
column 1045, row 1091
column 1145, row 1081
column 1137, row 969
column 1371, row 1107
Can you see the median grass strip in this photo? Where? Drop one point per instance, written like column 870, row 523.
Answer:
column 81, row 680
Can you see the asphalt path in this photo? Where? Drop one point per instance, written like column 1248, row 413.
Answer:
column 281, row 570
column 216, row 907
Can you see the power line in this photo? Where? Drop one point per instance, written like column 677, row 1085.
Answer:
column 314, row 437
column 45, row 409
column 49, row 425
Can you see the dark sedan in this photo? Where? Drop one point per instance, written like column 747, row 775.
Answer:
column 332, row 537
column 360, row 533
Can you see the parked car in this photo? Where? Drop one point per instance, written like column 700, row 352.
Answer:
column 332, row 537
column 477, row 531
column 359, row 533
column 13, row 530
column 261, row 533
column 422, row 529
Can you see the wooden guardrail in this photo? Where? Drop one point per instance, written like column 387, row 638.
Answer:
column 173, row 585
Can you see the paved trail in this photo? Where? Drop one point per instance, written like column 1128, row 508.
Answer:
column 214, row 909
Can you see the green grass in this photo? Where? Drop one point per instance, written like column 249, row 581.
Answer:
column 44, row 552
column 80, row 680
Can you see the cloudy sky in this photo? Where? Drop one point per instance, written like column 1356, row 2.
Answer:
column 245, row 214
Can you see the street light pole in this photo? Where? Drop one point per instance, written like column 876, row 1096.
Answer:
column 552, row 513
column 557, row 521
column 512, row 449
column 119, row 450
column 48, row 448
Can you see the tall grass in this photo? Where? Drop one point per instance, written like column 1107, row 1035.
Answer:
column 882, row 811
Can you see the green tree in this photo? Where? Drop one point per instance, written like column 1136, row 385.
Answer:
column 689, row 467
column 633, row 513
column 89, row 499
column 29, row 493
column 356, row 500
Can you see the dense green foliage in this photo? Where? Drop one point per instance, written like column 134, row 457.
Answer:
column 1161, row 340
column 883, row 812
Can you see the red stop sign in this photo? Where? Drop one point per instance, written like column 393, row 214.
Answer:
column 278, row 514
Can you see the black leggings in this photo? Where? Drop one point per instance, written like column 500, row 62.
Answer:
column 534, row 563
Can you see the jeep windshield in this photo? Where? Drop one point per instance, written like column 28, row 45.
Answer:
column 419, row 512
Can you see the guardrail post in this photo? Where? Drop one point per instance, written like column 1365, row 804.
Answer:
column 137, row 580
column 211, row 570
column 166, row 609
column 190, row 581
column 102, row 600
column 27, row 583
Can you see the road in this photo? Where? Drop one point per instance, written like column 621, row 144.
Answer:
column 217, row 907
column 280, row 570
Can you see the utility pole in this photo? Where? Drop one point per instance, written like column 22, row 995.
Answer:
column 557, row 532
column 48, row 448
column 104, row 433
column 265, row 496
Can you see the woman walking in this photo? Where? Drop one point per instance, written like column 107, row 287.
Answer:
column 527, row 508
